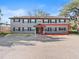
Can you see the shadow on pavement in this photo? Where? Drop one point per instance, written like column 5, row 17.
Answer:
column 15, row 40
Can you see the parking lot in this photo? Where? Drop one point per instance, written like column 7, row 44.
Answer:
column 39, row 47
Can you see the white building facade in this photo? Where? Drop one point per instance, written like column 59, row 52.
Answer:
column 42, row 25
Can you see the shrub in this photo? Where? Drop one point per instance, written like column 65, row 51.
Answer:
column 74, row 32
column 2, row 33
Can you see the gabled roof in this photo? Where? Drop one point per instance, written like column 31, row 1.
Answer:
column 41, row 17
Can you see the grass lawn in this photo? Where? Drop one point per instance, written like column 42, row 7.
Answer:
column 19, row 34
column 8, row 34
column 23, row 34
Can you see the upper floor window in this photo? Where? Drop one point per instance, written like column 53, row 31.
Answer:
column 39, row 20
column 16, row 20
column 53, row 21
column 62, row 21
column 33, row 21
column 26, row 20
column 13, row 20
column 46, row 21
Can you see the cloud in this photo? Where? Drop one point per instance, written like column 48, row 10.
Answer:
column 9, row 13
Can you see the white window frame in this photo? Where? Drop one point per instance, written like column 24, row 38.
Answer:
column 25, row 29
column 33, row 28
column 46, row 20
column 53, row 20
column 39, row 20
column 16, row 20
column 62, row 21
column 33, row 20
column 25, row 20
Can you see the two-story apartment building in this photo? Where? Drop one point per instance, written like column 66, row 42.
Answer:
column 40, row 25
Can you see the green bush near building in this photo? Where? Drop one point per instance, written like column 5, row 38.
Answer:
column 3, row 34
column 74, row 32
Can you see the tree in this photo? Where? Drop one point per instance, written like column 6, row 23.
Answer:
column 0, row 19
column 1, row 14
column 38, row 13
column 71, row 10
column 72, row 7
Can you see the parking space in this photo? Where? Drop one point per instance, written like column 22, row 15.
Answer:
column 39, row 47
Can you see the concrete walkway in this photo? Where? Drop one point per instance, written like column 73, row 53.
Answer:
column 42, row 47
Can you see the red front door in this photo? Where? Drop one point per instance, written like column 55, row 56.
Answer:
column 39, row 30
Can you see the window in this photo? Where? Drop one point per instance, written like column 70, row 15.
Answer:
column 33, row 29
column 53, row 21
column 29, row 28
column 49, row 29
column 19, row 20
column 23, row 21
column 33, row 21
column 18, row 28
column 46, row 21
column 16, row 20
column 39, row 20
column 25, row 29
column 26, row 20
column 13, row 20
column 13, row 28
column 22, row 28
column 62, row 21
column 62, row 28
column 55, row 29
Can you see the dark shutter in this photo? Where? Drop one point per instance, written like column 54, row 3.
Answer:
column 59, row 21
column 29, row 20
column 22, row 28
column 55, row 29
column 64, row 21
column 55, row 21
column 13, row 28
column 13, row 20
column 35, row 20
column 23, row 21
column 29, row 28
column 19, row 20
column 18, row 28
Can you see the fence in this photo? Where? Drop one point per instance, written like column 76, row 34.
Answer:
column 5, row 29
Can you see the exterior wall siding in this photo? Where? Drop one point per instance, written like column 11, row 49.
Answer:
column 57, row 31
column 38, row 21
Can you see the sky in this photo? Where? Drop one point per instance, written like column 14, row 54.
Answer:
column 22, row 7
